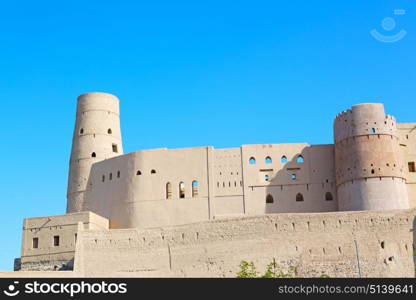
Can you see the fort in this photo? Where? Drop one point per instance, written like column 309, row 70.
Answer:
column 345, row 209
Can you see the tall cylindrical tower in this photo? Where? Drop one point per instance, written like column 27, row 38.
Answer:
column 97, row 136
column 368, row 164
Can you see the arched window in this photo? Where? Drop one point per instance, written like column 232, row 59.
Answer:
column 195, row 185
column 252, row 161
column 81, row 131
column 283, row 159
column 299, row 197
column 293, row 176
column 328, row 196
column 168, row 190
column 266, row 177
column 153, row 172
column 268, row 160
column 139, row 173
column 93, row 154
column 300, row 159
column 109, row 131
column 269, row 199
column 181, row 190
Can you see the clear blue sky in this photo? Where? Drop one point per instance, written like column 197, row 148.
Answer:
column 188, row 74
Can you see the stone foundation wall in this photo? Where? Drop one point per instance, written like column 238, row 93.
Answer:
column 344, row 244
column 48, row 265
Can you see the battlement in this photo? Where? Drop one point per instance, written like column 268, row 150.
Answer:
column 201, row 211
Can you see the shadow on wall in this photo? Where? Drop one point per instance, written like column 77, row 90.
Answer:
column 290, row 191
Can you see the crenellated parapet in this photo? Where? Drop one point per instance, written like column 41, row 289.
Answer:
column 369, row 168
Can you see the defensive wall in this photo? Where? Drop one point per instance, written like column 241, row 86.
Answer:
column 48, row 243
column 342, row 244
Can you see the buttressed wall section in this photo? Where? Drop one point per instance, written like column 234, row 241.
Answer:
column 370, row 172
column 97, row 136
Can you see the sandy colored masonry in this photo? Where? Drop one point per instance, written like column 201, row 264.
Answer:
column 115, row 198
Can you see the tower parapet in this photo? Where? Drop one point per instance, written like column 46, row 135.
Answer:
column 97, row 136
column 368, row 167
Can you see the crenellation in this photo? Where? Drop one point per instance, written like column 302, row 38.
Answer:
column 200, row 211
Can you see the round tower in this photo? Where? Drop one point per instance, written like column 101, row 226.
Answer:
column 368, row 163
column 97, row 136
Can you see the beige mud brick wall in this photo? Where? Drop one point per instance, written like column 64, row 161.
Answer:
column 46, row 255
column 97, row 136
column 314, row 243
column 228, row 185
column 370, row 171
column 407, row 135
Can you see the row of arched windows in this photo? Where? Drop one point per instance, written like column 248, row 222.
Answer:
column 283, row 159
column 299, row 197
column 182, row 189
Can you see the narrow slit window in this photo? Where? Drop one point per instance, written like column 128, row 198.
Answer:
column 56, row 240
column 168, row 190
column 195, row 186
column 181, row 190
column 35, row 243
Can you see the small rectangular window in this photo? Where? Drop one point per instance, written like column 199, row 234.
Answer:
column 56, row 240
column 75, row 238
column 35, row 243
column 412, row 167
column 115, row 150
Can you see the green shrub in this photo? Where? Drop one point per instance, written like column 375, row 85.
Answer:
column 273, row 270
